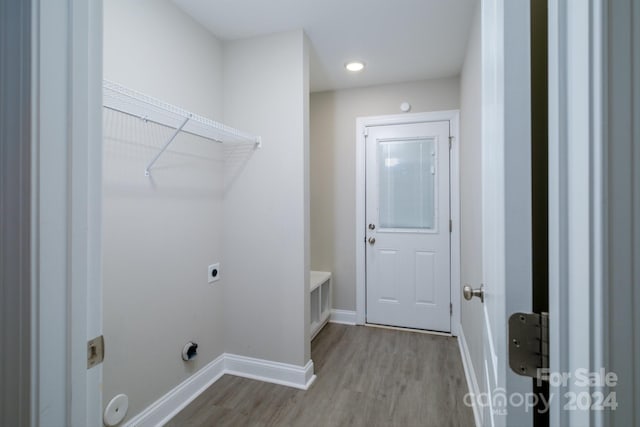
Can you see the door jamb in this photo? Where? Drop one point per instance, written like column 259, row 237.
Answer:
column 453, row 116
column 593, row 204
column 66, row 210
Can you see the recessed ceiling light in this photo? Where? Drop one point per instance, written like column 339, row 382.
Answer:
column 354, row 66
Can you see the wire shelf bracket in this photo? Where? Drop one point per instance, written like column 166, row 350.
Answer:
column 120, row 98
column 147, row 170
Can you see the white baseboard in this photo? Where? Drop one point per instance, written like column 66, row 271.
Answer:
column 162, row 410
column 345, row 317
column 168, row 406
column 272, row 372
column 470, row 374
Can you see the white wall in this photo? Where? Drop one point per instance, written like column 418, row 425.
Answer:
column 266, row 238
column 155, row 48
column 333, row 127
column 471, row 315
column 160, row 233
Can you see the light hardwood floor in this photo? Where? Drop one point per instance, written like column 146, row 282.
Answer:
column 366, row 377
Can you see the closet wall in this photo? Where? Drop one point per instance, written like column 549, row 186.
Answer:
column 266, row 221
column 160, row 232
column 155, row 48
column 204, row 202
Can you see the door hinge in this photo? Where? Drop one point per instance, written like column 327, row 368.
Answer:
column 529, row 344
column 450, row 309
column 450, row 226
column 450, row 142
column 365, row 131
column 95, row 351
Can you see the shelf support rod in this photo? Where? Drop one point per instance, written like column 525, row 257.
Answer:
column 166, row 145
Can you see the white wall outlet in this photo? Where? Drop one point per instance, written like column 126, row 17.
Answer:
column 213, row 274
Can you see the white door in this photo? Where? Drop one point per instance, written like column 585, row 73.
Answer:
column 407, row 215
column 506, row 212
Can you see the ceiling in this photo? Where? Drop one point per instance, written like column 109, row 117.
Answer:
column 398, row 40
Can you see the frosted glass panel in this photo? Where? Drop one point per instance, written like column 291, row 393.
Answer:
column 406, row 180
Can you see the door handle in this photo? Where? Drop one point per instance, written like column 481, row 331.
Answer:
column 469, row 292
column 371, row 240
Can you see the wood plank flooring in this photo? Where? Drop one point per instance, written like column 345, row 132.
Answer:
column 366, row 377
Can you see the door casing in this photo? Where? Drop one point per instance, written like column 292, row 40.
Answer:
column 594, row 201
column 66, row 209
column 453, row 116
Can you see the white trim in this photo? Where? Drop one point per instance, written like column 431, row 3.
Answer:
column 66, row 183
column 93, row 307
column 454, row 200
column 300, row 377
column 361, row 272
column 470, row 375
column 594, row 201
column 453, row 116
column 403, row 329
column 169, row 405
column 344, row 317
column 577, row 182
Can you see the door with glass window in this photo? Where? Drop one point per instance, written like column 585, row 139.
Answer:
column 408, row 258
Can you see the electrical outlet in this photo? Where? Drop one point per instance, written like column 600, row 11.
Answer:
column 213, row 274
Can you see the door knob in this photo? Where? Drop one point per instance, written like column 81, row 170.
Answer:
column 371, row 240
column 469, row 292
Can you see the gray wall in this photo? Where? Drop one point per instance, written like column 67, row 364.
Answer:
column 160, row 233
column 333, row 136
column 622, row 212
column 471, row 316
column 155, row 48
column 204, row 203
column 15, row 218
column 266, row 237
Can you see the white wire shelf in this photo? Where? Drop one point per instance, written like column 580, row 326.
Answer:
column 147, row 108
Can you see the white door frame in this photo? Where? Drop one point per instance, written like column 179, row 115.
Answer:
column 594, row 202
column 453, row 116
column 575, row 177
column 66, row 211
